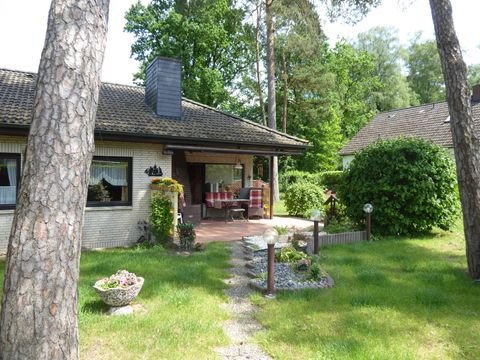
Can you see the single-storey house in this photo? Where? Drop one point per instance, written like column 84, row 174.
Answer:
column 140, row 132
column 429, row 122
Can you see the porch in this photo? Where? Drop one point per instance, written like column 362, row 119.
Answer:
column 218, row 230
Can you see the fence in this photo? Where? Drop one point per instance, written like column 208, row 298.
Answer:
column 341, row 238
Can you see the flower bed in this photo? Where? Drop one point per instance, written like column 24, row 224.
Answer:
column 119, row 289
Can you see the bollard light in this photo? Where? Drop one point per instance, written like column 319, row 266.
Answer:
column 368, row 209
column 315, row 217
column 270, row 236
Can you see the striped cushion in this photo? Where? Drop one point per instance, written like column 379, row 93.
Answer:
column 256, row 198
column 211, row 197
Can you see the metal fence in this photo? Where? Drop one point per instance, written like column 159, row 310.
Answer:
column 341, row 238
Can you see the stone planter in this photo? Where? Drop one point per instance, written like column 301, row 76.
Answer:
column 119, row 296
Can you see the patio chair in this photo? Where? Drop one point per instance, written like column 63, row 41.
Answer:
column 255, row 207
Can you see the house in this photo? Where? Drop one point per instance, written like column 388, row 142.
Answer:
column 429, row 122
column 139, row 132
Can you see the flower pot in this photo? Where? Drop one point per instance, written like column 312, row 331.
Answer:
column 119, row 296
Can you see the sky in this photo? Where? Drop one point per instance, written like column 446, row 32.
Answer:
column 23, row 24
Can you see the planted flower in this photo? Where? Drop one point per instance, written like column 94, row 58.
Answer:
column 120, row 288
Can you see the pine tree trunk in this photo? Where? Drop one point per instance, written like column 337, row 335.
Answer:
column 257, row 61
column 465, row 142
column 285, row 92
column 39, row 310
column 272, row 105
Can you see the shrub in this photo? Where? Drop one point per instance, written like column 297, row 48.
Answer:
column 187, row 235
column 281, row 230
column 410, row 182
column 289, row 254
column 302, row 197
column 295, row 176
column 331, row 180
column 161, row 218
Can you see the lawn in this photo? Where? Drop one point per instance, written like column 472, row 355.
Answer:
column 393, row 299
column 279, row 209
column 179, row 316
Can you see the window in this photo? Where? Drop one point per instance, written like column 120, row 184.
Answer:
column 110, row 182
column 9, row 180
column 223, row 177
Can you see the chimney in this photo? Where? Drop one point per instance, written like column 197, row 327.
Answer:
column 163, row 90
column 476, row 93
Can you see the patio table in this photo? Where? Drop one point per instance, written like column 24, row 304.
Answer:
column 228, row 204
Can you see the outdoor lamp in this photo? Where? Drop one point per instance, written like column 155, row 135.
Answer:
column 368, row 208
column 270, row 236
column 315, row 217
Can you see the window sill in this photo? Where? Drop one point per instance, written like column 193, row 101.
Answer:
column 108, row 208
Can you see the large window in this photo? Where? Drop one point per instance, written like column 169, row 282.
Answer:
column 223, row 177
column 110, row 182
column 9, row 180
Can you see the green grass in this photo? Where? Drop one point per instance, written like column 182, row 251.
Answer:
column 279, row 209
column 393, row 299
column 178, row 315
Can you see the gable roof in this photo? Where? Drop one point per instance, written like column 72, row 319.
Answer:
column 122, row 111
column 427, row 121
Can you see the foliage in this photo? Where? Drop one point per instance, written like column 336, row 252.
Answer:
column 411, row 184
column 289, row 254
column 168, row 184
column 336, row 226
column 473, row 74
column 161, row 218
column 296, row 176
column 383, row 44
column 425, row 71
column 187, row 235
column 315, row 271
column 209, row 36
column 331, row 180
column 301, row 197
column 281, row 230
column 121, row 279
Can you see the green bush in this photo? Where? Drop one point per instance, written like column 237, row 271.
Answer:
column 187, row 235
column 301, row 197
column 289, row 254
column 161, row 218
column 411, row 184
column 295, row 176
column 331, row 180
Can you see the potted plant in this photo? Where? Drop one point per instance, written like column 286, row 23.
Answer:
column 166, row 184
column 119, row 289
column 100, row 192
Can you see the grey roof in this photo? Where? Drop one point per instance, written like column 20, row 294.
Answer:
column 427, row 121
column 122, row 111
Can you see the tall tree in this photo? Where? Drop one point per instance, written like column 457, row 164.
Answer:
column 209, row 36
column 465, row 141
column 425, row 71
column 39, row 310
column 383, row 43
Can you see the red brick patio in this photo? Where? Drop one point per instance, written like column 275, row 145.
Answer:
column 219, row 230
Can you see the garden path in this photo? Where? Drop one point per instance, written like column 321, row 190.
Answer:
column 242, row 325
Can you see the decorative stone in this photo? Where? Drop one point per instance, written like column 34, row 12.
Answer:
column 303, row 264
column 120, row 310
column 119, row 296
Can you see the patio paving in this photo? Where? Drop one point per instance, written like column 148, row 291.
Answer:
column 219, row 230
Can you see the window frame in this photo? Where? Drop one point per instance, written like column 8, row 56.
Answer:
column 18, row 158
column 129, row 161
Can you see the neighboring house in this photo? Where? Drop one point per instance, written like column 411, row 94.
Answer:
column 136, row 129
column 429, row 122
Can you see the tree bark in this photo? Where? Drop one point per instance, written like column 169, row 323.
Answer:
column 285, row 92
column 39, row 310
column 272, row 105
column 465, row 142
column 257, row 60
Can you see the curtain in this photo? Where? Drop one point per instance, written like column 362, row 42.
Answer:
column 8, row 194
column 115, row 173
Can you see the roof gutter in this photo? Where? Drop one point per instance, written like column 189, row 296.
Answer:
column 231, row 150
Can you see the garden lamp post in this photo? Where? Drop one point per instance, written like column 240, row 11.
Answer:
column 270, row 236
column 368, row 208
column 315, row 217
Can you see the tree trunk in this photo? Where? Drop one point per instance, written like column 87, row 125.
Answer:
column 257, row 60
column 465, row 142
column 39, row 311
column 285, row 92
column 272, row 105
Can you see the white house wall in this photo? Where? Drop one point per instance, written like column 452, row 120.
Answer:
column 106, row 226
